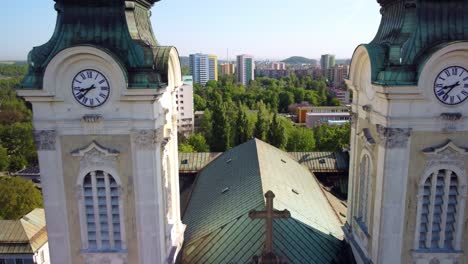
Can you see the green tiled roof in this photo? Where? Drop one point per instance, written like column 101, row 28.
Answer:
column 120, row 28
column 314, row 161
column 323, row 161
column 219, row 229
column 409, row 33
column 195, row 162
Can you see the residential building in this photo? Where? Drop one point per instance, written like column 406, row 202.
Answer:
column 227, row 68
column 342, row 95
column 25, row 241
column 200, row 68
column 184, row 101
column 213, row 67
column 245, row 69
column 407, row 199
column 337, row 74
column 275, row 74
column 278, row 66
column 327, row 61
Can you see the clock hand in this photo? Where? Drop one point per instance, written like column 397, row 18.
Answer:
column 451, row 86
column 89, row 89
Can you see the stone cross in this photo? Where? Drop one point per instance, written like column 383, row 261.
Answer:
column 269, row 214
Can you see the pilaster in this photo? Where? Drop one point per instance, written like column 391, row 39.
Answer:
column 50, row 160
column 393, row 163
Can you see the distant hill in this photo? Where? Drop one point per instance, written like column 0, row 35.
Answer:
column 299, row 60
column 13, row 62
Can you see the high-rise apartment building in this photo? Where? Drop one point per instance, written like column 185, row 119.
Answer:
column 199, row 68
column 245, row 69
column 227, row 68
column 337, row 74
column 184, row 101
column 213, row 67
column 327, row 61
column 278, row 66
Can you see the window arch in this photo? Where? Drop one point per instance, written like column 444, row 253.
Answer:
column 101, row 217
column 364, row 189
column 439, row 211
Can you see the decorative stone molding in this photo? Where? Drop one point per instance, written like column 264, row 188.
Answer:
column 367, row 108
column 95, row 155
column 146, row 138
column 425, row 257
column 92, row 118
column 105, row 258
column 354, row 118
column 393, row 137
column 450, row 121
column 447, row 154
column 45, row 139
column 366, row 137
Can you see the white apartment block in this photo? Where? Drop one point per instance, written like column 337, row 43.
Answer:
column 184, row 102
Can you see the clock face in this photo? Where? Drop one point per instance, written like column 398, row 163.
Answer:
column 90, row 88
column 451, row 85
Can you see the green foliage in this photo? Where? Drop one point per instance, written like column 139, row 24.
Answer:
column 301, row 139
column 261, row 126
column 199, row 103
column 242, row 126
column 18, row 141
column 4, row 159
column 332, row 138
column 198, row 142
column 185, row 148
column 12, row 109
column 220, row 140
column 18, row 197
column 276, row 134
column 227, row 121
column 13, row 70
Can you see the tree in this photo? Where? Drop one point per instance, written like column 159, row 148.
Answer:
column 285, row 100
column 206, row 125
column 261, row 126
column 185, row 148
column 332, row 138
column 198, row 142
column 18, row 197
column 199, row 103
column 4, row 159
column 276, row 133
column 242, row 126
column 18, row 141
column 221, row 130
column 301, row 139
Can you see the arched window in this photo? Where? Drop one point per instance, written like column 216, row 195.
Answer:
column 102, row 212
column 438, row 211
column 364, row 188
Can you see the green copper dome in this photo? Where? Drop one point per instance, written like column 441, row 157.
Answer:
column 410, row 32
column 120, row 28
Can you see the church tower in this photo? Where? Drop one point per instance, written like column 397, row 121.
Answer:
column 409, row 138
column 103, row 97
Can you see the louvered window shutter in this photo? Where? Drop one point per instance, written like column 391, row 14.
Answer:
column 438, row 211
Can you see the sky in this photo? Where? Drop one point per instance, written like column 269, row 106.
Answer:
column 267, row 29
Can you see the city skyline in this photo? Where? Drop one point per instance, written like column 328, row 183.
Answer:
column 267, row 29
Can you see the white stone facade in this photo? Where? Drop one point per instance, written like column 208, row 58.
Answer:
column 133, row 137
column 403, row 129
